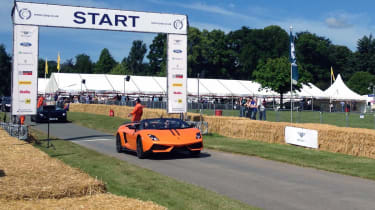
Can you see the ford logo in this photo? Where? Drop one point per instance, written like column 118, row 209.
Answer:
column 177, row 51
column 25, row 44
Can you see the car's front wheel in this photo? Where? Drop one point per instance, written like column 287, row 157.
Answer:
column 118, row 144
column 140, row 153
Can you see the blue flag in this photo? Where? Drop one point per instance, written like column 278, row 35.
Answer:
column 293, row 60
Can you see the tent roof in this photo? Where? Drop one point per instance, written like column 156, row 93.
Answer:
column 339, row 91
column 42, row 83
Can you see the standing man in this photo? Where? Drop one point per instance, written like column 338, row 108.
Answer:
column 137, row 111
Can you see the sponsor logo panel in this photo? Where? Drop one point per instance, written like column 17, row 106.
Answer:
column 24, row 82
column 25, row 72
column 177, row 84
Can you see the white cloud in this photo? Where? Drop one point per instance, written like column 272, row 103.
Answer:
column 333, row 22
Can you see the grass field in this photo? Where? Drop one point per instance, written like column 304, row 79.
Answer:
column 334, row 162
column 122, row 178
column 333, row 118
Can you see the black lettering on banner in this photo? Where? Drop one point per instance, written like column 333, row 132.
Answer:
column 105, row 19
column 120, row 18
column 134, row 18
column 81, row 20
column 93, row 16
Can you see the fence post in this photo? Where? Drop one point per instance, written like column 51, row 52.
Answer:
column 346, row 119
column 320, row 115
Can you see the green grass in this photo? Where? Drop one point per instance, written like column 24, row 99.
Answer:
column 334, row 162
column 125, row 179
column 332, row 118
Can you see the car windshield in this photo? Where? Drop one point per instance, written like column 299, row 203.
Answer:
column 51, row 108
column 164, row 123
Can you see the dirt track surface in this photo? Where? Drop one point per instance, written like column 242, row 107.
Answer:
column 258, row 182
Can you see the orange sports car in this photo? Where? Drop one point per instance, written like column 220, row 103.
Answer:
column 158, row 135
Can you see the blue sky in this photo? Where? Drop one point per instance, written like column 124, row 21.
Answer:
column 343, row 22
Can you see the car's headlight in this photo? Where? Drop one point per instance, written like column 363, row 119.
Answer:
column 64, row 114
column 7, row 105
column 40, row 114
column 198, row 135
column 152, row 137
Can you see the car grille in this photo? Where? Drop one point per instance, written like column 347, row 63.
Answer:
column 196, row 145
column 159, row 147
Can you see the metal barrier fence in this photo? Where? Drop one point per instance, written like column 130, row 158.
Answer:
column 16, row 130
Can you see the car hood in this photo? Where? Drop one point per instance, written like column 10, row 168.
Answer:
column 173, row 136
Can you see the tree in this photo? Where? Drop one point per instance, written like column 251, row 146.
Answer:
column 275, row 74
column 105, row 63
column 157, row 55
column 5, row 72
column 67, row 66
column 52, row 67
column 83, row 64
column 360, row 81
column 135, row 58
column 365, row 55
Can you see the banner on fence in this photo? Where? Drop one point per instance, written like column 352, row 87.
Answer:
column 301, row 137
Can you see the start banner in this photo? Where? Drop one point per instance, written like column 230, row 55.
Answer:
column 25, row 70
column 38, row 14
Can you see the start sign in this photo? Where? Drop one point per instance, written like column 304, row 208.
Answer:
column 95, row 18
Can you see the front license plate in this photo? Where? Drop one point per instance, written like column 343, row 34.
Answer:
column 52, row 118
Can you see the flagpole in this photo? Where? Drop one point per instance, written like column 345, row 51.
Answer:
column 291, row 87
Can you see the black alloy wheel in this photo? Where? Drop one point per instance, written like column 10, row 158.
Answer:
column 140, row 153
column 118, row 144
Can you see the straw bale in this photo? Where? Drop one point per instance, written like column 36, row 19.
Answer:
column 352, row 141
column 98, row 201
column 29, row 173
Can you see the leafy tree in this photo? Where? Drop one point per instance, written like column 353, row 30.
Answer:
column 135, row 58
column 67, row 66
column 120, row 69
column 275, row 74
column 365, row 55
column 83, row 64
column 105, row 63
column 342, row 61
column 5, row 71
column 194, row 55
column 360, row 81
column 157, row 55
column 313, row 53
column 52, row 67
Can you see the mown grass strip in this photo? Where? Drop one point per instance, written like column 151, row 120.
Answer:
column 334, row 162
column 122, row 178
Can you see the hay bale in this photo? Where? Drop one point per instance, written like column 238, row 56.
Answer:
column 352, row 141
column 99, row 201
column 29, row 173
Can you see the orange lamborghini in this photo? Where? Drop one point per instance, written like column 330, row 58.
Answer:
column 158, row 135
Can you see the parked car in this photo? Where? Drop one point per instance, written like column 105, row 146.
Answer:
column 50, row 113
column 6, row 103
column 159, row 135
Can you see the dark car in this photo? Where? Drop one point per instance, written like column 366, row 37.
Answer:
column 52, row 113
column 6, row 104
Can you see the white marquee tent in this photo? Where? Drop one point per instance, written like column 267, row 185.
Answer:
column 149, row 85
column 338, row 91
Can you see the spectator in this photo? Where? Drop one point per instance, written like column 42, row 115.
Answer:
column 137, row 111
column 242, row 103
column 342, row 106
column 254, row 109
column 248, row 107
column 262, row 110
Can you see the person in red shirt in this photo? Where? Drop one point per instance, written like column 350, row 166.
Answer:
column 137, row 111
column 40, row 102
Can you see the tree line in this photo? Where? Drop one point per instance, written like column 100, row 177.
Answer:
column 245, row 54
